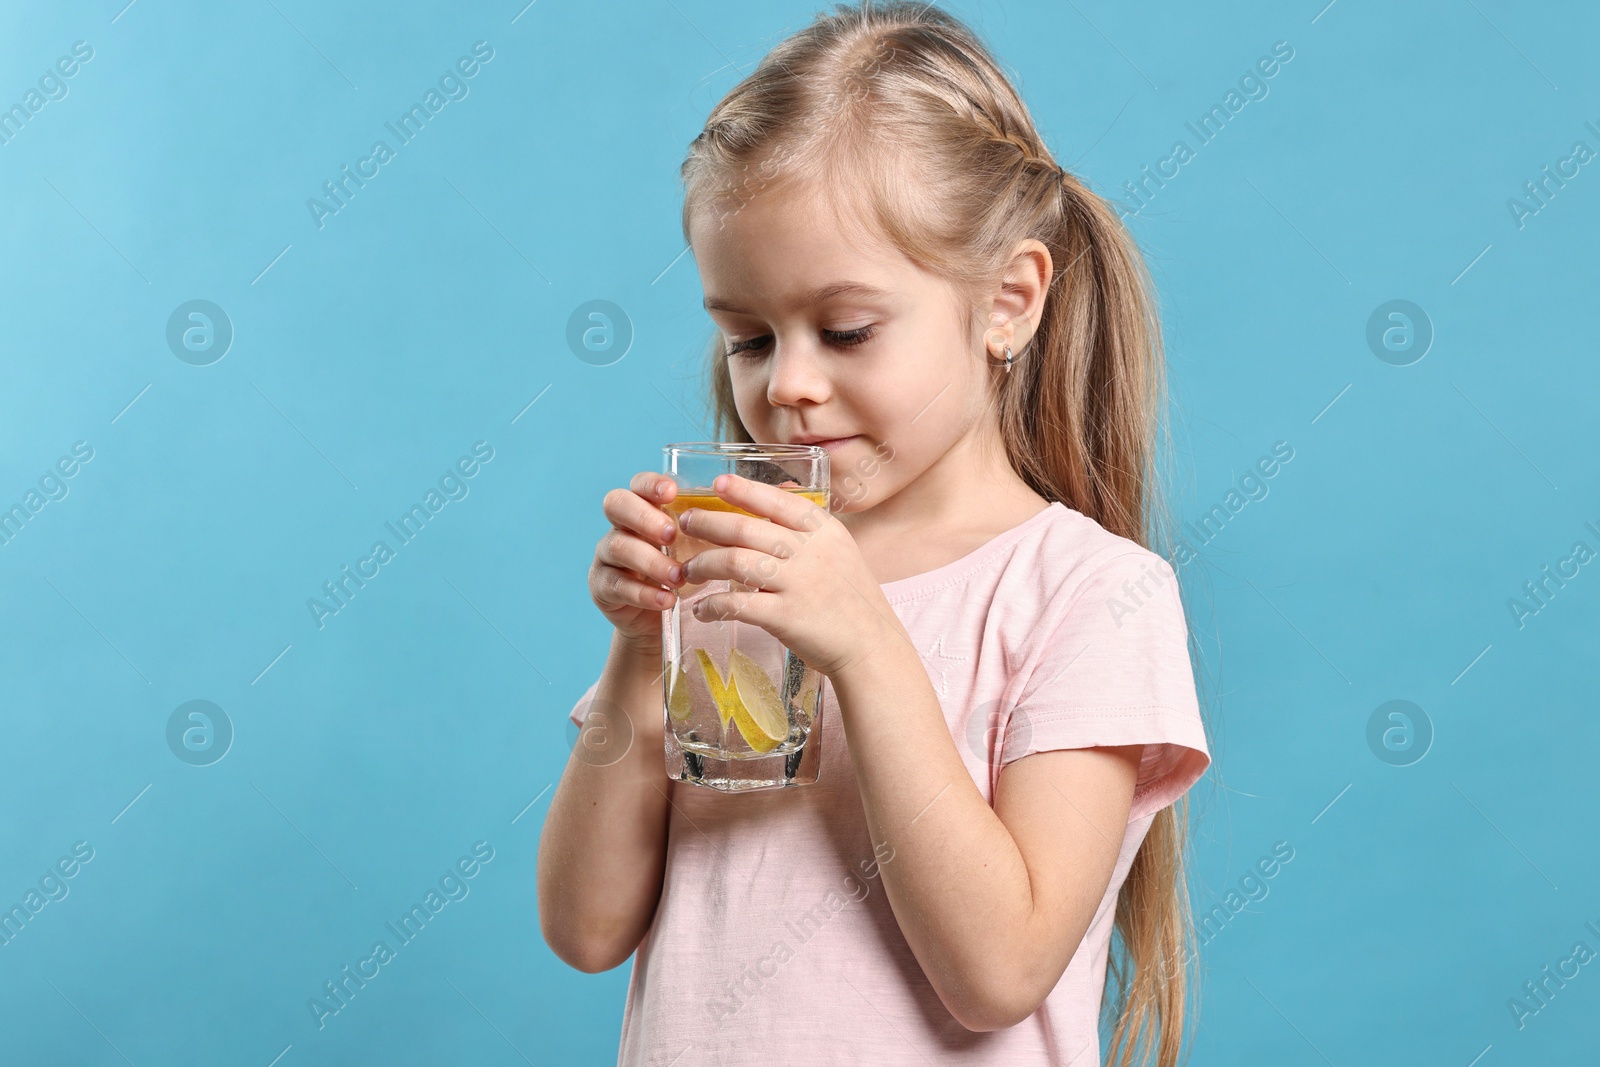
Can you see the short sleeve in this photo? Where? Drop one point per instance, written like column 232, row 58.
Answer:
column 581, row 708
column 1112, row 667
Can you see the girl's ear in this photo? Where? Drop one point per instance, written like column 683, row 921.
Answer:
column 1018, row 304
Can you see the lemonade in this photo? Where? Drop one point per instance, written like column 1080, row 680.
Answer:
column 708, row 500
column 740, row 707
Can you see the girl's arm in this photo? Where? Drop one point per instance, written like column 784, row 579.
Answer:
column 992, row 901
column 603, row 849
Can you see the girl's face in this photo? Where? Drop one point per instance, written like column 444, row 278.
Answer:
column 833, row 334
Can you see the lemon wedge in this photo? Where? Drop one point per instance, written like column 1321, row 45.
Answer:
column 722, row 693
column 678, row 694
column 748, row 699
column 764, row 722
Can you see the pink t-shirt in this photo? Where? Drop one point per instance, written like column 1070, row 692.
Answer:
column 774, row 942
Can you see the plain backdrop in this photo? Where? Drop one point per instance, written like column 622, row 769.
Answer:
column 1440, row 861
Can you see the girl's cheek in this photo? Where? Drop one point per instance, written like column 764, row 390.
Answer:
column 750, row 401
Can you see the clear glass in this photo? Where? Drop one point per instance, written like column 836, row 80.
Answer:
column 742, row 711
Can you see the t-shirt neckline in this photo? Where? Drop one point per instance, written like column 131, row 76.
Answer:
column 901, row 588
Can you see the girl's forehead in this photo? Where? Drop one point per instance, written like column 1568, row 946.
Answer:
column 803, row 297
column 794, row 244
column 840, row 202
column 791, row 209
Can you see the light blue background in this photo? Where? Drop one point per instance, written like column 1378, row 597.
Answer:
column 427, row 314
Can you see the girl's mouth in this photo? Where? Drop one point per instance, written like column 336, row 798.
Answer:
column 832, row 444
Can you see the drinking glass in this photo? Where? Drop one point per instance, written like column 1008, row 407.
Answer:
column 742, row 711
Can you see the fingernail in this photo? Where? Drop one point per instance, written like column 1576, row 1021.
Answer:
column 663, row 598
column 676, row 572
column 667, row 531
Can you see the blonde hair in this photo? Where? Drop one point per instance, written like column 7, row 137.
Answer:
column 870, row 97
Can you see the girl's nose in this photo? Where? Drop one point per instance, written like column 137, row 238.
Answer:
column 797, row 374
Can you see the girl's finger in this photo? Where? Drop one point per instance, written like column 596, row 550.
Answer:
column 636, row 508
column 614, row 588
column 735, row 606
column 743, row 565
column 739, row 531
column 781, row 506
column 620, row 548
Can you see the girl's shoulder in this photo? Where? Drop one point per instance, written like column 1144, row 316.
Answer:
column 1069, row 549
column 1024, row 583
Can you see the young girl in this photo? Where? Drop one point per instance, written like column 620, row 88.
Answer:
column 899, row 272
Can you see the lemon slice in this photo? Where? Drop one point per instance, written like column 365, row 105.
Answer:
column 763, row 722
column 722, row 693
column 678, row 694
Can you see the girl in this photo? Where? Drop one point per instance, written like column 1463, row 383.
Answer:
column 900, row 273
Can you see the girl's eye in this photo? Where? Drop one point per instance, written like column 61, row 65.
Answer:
column 837, row 338
column 754, row 344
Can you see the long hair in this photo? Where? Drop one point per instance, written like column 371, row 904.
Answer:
column 869, row 98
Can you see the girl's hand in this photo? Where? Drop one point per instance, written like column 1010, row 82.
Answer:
column 629, row 568
column 813, row 591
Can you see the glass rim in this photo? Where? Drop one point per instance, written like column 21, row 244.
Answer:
column 743, row 448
